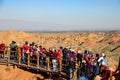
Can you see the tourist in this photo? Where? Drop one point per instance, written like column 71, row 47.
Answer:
column 59, row 55
column 79, row 57
column 103, row 60
column 12, row 50
column 97, row 56
column 2, row 49
column 26, row 50
column 103, row 63
column 44, row 55
column 83, row 71
column 95, row 70
column 72, row 68
column 19, row 53
column 106, row 74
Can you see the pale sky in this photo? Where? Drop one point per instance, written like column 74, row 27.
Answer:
column 59, row 15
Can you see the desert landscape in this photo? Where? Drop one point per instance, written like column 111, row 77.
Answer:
column 97, row 42
column 59, row 39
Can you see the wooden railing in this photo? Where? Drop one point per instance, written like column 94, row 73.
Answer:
column 29, row 59
column 37, row 61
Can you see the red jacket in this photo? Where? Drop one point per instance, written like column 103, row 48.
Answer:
column 26, row 48
column 106, row 74
column 2, row 47
column 59, row 54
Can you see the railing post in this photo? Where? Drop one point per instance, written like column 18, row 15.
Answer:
column 60, row 64
column 19, row 58
column 4, row 53
column 8, row 53
column 75, row 73
column 76, row 69
column 110, row 78
column 28, row 59
column 38, row 61
column 48, row 63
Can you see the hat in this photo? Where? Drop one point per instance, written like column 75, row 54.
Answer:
column 103, row 54
column 79, row 51
column 53, row 49
column 18, row 44
column 72, row 50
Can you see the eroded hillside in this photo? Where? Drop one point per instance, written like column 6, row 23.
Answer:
column 97, row 42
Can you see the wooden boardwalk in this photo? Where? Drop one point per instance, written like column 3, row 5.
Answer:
column 34, row 66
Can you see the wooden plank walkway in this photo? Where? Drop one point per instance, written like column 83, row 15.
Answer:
column 29, row 67
column 36, row 66
column 6, row 60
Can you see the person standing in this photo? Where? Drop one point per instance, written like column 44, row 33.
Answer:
column 72, row 68
column 79, row 57
column 95, row 71
column 2, row 49
column 26, row 51
column 12, row 50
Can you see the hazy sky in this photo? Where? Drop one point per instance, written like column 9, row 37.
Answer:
column 60, row 14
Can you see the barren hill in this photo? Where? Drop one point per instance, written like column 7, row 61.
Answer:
column 97, row 42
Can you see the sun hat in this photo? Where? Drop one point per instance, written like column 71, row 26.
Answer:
column 103, row 55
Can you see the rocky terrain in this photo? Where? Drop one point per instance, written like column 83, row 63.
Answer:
column 97, row 42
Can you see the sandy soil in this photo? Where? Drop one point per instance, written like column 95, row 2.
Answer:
column 9, row 73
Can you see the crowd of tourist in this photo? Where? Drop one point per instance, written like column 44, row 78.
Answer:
column 88, row 64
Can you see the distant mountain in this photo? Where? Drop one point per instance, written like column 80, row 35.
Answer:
column 46, row 27
column 27, row 25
